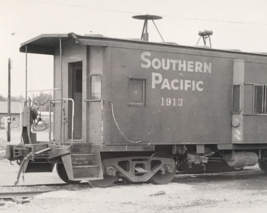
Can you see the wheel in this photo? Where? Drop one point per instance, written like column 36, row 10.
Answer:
column 63, row 174
column 107, row 181
column 237, row 168
column 160, row 178
column 263, row 166
column 263, row 163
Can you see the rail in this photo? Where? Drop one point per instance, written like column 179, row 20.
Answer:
column 60, row 100
column 53, row 101
column 21, row 194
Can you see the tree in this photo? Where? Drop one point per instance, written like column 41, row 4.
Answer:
column 2, row 98
column 13, row 98
column 17, row 98
column 42, row 101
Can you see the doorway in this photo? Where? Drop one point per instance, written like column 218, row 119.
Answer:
column 75, row 92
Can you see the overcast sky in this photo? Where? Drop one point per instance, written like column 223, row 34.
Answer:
column 236, row 24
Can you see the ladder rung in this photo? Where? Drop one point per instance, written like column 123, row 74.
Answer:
column 82, row 154
column 80, row 167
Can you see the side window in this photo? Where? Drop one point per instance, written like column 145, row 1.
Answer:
column 136, row 91
column 259, row 99
column 96, row 84
column 236, row 99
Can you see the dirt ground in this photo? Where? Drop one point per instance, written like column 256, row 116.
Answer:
column 238, row 192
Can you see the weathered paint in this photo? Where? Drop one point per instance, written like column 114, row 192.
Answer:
column 94, row 108
column 238, row 79
column 248, row 98
column 204, row 117
column 255, row 129
column 255, row 125
column 71, row 52
column 155, row 123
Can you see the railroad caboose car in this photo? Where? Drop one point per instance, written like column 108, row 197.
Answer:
column 135, row 109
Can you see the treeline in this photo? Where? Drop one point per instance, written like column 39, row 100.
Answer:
column 13, row 98
column 41, row 100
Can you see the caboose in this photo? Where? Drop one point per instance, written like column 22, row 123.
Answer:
column 135, row 110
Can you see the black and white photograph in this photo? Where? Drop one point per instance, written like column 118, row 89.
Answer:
column 123, row 106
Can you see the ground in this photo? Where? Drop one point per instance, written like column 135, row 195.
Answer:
column 238, row 192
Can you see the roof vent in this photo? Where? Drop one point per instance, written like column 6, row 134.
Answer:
column 172, row 43
column 94, row 35
column 235, row 50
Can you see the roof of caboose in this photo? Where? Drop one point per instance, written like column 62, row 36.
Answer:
column 46, row 43
column 43, row 44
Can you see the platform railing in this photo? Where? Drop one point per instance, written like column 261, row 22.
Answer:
column 62, row 133
column 52, row 102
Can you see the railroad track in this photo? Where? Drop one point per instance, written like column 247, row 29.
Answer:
column 58, row 185
column 21, row 194
column 24, row 191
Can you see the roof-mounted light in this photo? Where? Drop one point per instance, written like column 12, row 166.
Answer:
column 205, row 34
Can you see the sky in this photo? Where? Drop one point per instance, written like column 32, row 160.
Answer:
column 236, row 24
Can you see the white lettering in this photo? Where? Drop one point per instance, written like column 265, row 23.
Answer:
column 198, row 66
column 174, row 63
column 156, row 79
column 165, row 84
column 198, row 86
column 172, row 84
column 156, row 63
column 148, row 62
column 181, row 84
column 182, row 65
column 187, row 84
column 193, row 85
column 166, row 64
column 190, row 66
column 175, row 84
column 207, row 67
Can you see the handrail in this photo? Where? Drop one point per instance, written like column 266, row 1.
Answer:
column 41, row 90
column 59, row 100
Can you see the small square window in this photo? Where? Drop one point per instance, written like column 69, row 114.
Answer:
column 136, row 91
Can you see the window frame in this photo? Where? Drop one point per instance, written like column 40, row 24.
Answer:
column 264, row 99
column 143, row 90
column 90, row 91
column 233, row 101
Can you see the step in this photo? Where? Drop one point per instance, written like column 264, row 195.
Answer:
column 86, row 161
column 80, row 148
column 82, row 173
column 80, row 167
column 83, row 160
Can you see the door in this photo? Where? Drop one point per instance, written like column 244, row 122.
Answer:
column 75, row 92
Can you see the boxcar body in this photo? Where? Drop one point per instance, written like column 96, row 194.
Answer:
column 135, row 109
